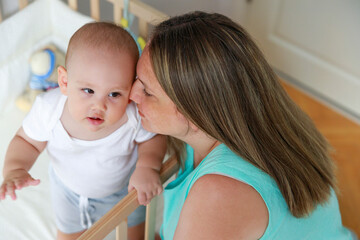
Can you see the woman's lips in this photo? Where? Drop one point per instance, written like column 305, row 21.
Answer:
column 95, row 120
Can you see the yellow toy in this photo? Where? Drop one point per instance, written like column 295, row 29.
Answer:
column 43, row 67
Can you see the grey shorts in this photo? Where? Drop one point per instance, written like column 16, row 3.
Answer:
column 75, row 213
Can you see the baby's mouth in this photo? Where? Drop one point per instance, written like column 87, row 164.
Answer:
column 95, row 120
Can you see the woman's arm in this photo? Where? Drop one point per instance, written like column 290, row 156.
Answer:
column 219, row 207
column 151, row 153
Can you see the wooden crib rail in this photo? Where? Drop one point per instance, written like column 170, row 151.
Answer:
column 22, row 4
column 116, row 217
column 145, row 14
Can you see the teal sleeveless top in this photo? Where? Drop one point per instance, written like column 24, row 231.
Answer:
column 323, row 223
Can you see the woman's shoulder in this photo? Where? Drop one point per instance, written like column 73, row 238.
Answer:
column 219, row 204
column 225, row 162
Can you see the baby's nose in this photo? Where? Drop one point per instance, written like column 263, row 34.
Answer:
column 99, row 104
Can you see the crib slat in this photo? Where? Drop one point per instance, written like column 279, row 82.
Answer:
column 95, row 9
column 121, row 231
column 147, row 13
column 23, row 3
column 143, row 28
column 150, row 220
column 73, row 4
column 143, row 11
column 118, row 6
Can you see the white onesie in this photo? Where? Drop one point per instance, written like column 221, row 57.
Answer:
column 93, row 169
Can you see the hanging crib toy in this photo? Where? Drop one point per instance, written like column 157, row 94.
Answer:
column 126, row 23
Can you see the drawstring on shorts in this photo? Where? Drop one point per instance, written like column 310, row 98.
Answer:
column 85, row 219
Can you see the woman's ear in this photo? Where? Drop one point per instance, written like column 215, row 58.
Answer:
column 193, row 126
column 62, row 79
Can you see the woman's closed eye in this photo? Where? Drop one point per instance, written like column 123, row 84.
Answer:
column 146, row 93
column 88, row 90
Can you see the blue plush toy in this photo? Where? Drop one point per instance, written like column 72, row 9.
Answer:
column 42, row 65
column 43, row 74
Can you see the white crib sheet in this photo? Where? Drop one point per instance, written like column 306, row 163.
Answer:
column 30, row 216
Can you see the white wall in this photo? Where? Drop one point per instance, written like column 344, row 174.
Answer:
column 315, row 44
column 235, row 9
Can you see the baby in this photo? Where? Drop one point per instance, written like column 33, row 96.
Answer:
column 92, row 133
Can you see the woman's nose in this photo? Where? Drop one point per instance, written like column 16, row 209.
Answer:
column 135, row 92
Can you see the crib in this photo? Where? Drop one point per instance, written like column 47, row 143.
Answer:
column 43, row 22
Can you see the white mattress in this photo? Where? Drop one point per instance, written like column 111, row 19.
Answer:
column 30, row 216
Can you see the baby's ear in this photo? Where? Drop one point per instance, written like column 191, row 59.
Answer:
column 62, row 79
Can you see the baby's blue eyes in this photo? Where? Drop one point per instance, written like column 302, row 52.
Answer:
column 90, row 91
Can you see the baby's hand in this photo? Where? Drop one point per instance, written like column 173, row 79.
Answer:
column 147, row 183
column 16, row 180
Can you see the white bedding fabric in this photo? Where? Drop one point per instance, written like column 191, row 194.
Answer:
column 42, row 22
column 30, row 216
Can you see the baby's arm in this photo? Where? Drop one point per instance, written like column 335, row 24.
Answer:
column 20, row 156
column 146, row 178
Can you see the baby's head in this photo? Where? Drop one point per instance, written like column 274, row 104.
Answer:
column 98, row 75
column 102, row 36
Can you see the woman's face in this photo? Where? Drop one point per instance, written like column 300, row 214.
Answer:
column 158, row 113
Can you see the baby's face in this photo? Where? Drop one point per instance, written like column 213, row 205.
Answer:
column 99, row 85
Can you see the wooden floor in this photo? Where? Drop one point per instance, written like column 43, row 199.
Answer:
column 344, row 136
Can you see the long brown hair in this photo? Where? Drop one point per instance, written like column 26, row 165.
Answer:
column 219, row 79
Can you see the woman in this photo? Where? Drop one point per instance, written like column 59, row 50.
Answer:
column 253, row 164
